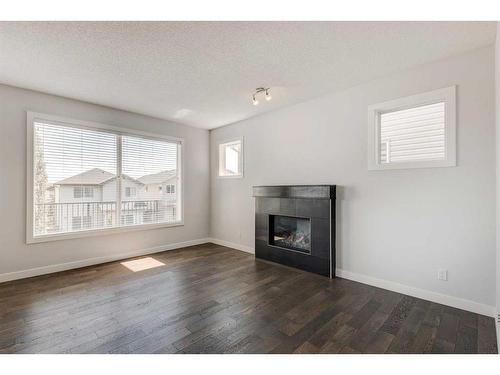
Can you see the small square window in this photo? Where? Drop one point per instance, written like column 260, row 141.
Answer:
column 89, row 192
column 413, row 132
column 130, row 192
column 170, row 189
column 77, row 192
column 231, row 159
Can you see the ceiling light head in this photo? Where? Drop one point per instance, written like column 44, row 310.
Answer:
column 261, row 90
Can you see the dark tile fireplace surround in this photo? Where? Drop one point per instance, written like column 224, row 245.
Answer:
column 295, row 226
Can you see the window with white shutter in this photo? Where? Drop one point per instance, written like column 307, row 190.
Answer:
column 413, row 132
column 231, row 158
column 149, row 163
column 86, row 178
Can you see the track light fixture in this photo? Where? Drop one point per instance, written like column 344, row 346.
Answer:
column 255, row 101
column 260, row 90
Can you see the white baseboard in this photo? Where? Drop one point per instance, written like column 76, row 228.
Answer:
column 246, row 249
column 98, row 260
column 443, row 299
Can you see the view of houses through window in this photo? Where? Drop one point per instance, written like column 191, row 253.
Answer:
column 78, row 184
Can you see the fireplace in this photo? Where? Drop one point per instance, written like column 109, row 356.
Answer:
column 295, row 226
column 292, row 233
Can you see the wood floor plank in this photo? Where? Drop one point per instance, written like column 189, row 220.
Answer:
column 486, row 335
column 466, row 340
column 446, row 336
column 379, row 343
column 307, row 348
column 367, row 331
column 398, row 315
column 407, row 334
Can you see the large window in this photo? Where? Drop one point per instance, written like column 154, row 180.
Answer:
column 413, row 132
column 231, row 158
column 86, row 178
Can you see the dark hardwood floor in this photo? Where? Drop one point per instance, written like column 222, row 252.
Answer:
column 212, row 299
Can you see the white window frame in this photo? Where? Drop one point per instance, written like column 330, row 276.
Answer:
column 221, row 158
column 32, row 117
column 446, row 95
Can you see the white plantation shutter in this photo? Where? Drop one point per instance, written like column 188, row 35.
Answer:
column 154, row 164
column 81, row 176
column 70, row 165
column 231, row 159
column 69, row 151
column 145, row 156
column 413, row 134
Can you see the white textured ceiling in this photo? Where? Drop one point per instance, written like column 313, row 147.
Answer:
column 203, row 73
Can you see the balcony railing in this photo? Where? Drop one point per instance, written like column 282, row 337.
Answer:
column 69, row 217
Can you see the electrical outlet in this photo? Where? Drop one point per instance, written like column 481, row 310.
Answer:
column 442, row 274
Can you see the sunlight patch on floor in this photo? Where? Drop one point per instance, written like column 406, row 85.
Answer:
column 142, row 264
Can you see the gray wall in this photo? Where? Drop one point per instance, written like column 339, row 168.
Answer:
column 15, row 255
column 497, row 123
column 395, row 225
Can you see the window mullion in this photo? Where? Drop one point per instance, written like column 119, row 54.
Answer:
column 118, row 179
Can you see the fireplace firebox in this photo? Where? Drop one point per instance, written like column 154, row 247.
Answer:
column 293, row 233
column 295, row 226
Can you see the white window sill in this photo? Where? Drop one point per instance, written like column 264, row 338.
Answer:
column 232, row 176
column 99, row 232
column 413, row 165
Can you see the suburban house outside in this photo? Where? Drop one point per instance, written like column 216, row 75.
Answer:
column 159, row 185
column 88, row 200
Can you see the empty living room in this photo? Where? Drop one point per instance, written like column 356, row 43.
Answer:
column 293, row 184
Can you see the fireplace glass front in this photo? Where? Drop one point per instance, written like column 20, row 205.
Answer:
column 292, row 233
